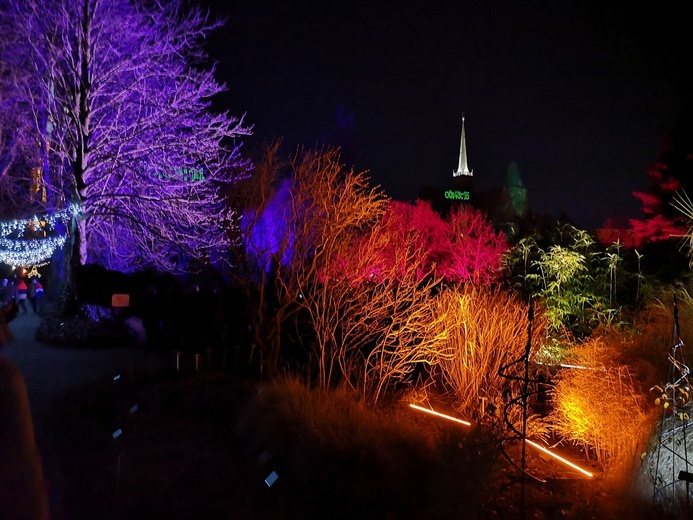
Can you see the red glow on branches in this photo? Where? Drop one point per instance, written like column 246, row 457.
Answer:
column 462, row 248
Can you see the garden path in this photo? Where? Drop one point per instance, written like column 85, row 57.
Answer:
column 53, row 373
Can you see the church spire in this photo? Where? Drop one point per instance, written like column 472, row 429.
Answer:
column 462, row 168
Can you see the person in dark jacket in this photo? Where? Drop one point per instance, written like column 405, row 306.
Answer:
column 21, row 297
column 34, row 293
column 6, row 292
column 38, row 296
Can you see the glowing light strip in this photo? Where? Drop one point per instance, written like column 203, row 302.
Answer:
column 565, row 365
column 566, row 462
column 433, row 412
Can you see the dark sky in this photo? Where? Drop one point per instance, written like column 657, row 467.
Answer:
column 579, row 95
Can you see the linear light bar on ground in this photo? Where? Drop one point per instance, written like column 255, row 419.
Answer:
column 438, row 414
column 566, row 462
column 566, row 365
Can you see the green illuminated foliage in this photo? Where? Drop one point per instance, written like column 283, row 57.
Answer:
column 575, row 279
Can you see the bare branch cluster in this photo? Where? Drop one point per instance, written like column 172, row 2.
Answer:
column 371, row 280
column 599, row 406
column 119, row 93
column 298, row 216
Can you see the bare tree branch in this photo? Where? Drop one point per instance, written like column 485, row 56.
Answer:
column 130, row 135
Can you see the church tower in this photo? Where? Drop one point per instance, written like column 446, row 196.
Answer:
column 462, row 166
column 454, row 193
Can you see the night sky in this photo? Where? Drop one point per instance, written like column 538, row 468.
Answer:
column 579, row 95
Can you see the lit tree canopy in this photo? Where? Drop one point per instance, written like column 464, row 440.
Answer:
column 462, row 248
column 18, row 146
column 672, row 173
column 119, row 92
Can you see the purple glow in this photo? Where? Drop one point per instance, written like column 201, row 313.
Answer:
column 122, row 88
column 268, row 236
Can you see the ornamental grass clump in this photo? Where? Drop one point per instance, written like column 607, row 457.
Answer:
column 655, row 329
column 486, row 329
column 599, row 406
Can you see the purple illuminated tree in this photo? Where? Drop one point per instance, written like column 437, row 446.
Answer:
column 18, row 150
column 120, row 93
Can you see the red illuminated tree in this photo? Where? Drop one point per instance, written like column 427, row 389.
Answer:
column 425, row 232
column 120, row 92
column 463, row 248
column 672, row 173
column 660, row 222
column 476, row 250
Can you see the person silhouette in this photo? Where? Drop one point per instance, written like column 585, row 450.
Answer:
column 21, row 296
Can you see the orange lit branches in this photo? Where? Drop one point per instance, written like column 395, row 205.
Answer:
column 599, row 407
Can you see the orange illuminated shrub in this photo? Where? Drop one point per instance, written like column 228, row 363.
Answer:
column 599, row 406
column 485, row 329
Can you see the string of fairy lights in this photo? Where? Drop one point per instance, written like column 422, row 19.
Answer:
column 18, row 251
column 26, row 253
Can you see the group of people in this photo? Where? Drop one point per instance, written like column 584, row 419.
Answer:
column 13, row 296
column 17, row 292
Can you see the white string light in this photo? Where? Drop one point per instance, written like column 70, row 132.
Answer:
column 63, row 216
column 26, row 253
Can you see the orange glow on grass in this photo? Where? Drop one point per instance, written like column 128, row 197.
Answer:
column 433, row 412
column 564, row 461
column 578, row 414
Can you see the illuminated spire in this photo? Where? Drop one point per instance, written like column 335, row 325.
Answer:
column 462, row 168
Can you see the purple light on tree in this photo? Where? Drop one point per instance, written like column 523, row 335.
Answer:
column 268, row 235
column 125, row 89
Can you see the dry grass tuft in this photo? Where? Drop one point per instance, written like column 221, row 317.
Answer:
column 340, row 418
column 366, row 462
column 486, row 330
column 601, row 406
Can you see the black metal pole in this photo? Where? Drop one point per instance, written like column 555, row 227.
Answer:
column 525, row 389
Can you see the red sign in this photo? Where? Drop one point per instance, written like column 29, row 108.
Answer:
column 120, row 300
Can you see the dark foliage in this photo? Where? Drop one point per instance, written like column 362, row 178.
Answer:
column 174, row 313
column 82, row 331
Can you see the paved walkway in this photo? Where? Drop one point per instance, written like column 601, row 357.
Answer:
column 51, row 373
